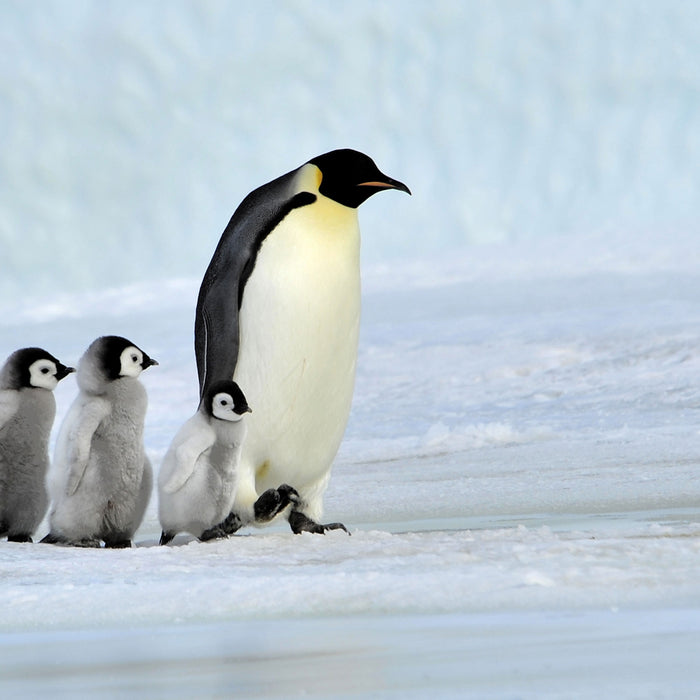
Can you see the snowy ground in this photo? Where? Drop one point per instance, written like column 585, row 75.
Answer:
column 519, row 476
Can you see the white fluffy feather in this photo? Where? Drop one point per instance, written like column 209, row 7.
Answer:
column 9, row 403
column 196, row 481
column 101, row 479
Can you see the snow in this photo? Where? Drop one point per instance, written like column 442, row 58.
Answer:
column 519, row 474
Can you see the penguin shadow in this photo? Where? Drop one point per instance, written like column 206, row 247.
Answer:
column 178, row 541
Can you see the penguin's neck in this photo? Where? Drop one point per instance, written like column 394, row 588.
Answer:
column 230, row 434
column 325, row 234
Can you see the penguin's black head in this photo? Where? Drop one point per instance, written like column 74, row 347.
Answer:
column 119, row 357
column 350, row 177
column 32, row 367
column 225, row 400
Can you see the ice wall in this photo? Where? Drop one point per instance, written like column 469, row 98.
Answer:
column 131, row 130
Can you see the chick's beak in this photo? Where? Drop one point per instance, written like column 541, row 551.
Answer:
column 62, row 372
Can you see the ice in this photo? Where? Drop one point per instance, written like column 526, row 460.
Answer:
column 133, row 130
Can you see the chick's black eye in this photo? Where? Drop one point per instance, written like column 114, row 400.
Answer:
column 134, row 358
column 45, row 370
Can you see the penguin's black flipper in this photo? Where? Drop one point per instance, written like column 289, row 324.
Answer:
column 302, row 523
column 274, row 501
column 216, row 342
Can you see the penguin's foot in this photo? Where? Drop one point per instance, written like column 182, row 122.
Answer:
column 50, row 539
column 232, row 524
column 118, row 543
column 65, row 542
column 273, row 501
column 213, row 533
column 166, row 537
column 19, row 538
column 302, row 523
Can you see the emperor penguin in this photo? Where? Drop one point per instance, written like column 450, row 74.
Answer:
column 101, row 479
column 197, row 477
column 27, row 412
column 279, row 312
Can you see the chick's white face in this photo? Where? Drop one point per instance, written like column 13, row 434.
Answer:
column 223, row 407
column 42, row 374
column 131, row 361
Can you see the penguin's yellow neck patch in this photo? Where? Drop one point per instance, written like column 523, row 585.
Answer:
column 309, row 178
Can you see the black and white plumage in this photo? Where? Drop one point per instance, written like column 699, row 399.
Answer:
column 101, row 480
column 279, row 311
column 27, row 412
column 197, row 476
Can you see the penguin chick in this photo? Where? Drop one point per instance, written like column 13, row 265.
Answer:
column 197, row 477
column 27, row 412
column 101, row 480
column 279, row 313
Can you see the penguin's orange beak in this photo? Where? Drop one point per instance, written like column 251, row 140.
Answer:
column 388, row 184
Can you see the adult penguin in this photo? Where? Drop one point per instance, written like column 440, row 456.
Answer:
column 279, row 313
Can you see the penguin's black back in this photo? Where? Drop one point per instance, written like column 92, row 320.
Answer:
column 233, row 262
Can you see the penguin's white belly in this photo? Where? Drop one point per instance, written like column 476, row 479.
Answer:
column 299, row 326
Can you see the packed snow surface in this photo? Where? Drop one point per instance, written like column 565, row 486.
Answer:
column 519, row 468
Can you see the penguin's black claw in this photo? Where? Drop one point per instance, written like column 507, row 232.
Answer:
column 289, row 493
column 213, row 533
column 267, row 505
column 274, row 501
column 302, row 523
column 232, row 524
column 165, row 537
column 19, row 538
column 64, row 542
column 123, row 543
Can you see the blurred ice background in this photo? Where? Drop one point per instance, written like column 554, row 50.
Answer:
column 131, row 130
